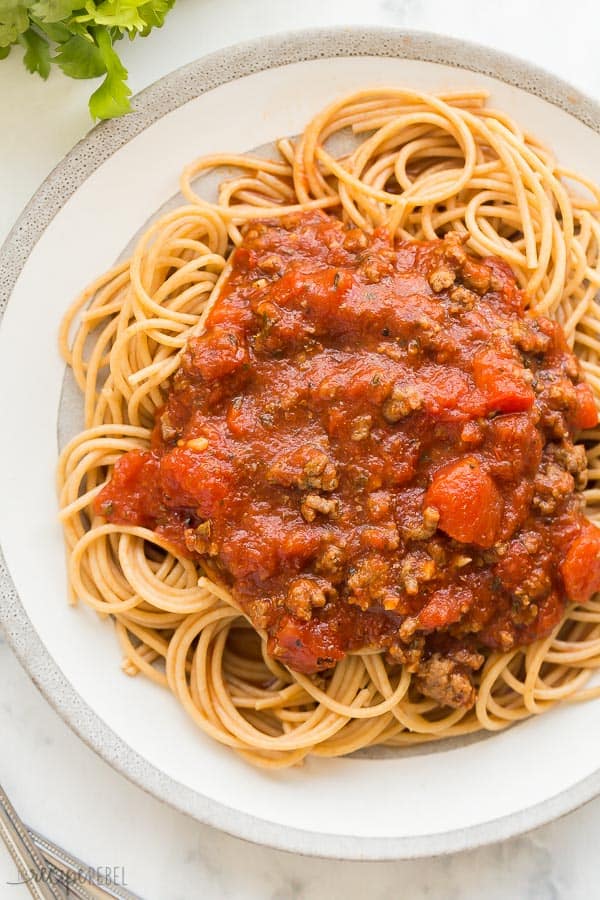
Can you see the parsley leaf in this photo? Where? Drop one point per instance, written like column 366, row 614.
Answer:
column 55, row 10
column 57, row 32
column 14, row 20
column 80, row 58
column 37, row 52
column 154, row 14
column 115, row 14
column 112, row 97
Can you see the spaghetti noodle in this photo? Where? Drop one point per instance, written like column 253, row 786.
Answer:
column 423, row 166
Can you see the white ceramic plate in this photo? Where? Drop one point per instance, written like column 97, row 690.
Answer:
column 411, row 804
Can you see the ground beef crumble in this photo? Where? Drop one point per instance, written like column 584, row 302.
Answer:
column 374, row 445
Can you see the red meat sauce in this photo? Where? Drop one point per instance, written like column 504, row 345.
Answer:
column 371, row 444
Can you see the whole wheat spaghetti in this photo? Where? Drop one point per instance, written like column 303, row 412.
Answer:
column 423, row 166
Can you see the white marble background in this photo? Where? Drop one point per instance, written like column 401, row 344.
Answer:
column 59, row 786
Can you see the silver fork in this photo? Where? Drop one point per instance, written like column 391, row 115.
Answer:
column 48, row 871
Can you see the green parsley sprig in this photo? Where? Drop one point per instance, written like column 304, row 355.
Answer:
column 79, row 36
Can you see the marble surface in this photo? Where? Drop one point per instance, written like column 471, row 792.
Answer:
column 58, row 785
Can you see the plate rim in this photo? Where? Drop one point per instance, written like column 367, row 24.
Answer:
column 163, row 96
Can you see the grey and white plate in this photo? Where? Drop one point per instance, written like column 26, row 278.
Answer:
column 407, row 804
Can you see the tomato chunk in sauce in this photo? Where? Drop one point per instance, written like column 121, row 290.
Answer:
column 372, row 445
